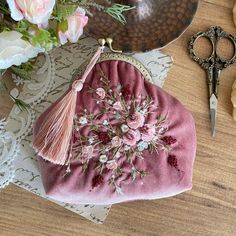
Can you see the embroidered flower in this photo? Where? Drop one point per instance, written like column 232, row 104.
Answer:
column 124, row 128
column 118, row 155
column 147, row 133
column 91, row 140
column 97, row 180
column 106, row 122
column 87, row 151
column 142, row 146
column 117, row 106
column 101, row 93
column 83, row 120
column 131, row 137
column 116, row 141
column 111, row 165
column 103, row 158
column 136, row 120
column 126, row 132
column 126, row 92
column 104, row 137
column 172, row 161
column 168, row 140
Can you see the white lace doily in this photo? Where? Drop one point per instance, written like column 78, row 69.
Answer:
column 48, row 83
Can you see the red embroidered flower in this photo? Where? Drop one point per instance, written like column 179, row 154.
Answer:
column 126, row 92
column 168, row 140
column 172, row 161
column 104, row 137
column 97, row 180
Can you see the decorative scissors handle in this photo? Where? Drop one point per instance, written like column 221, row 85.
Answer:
column 213, row 34
column 214, row 63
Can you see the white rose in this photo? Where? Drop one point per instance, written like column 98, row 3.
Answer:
column 14, row 50
column 35, row 11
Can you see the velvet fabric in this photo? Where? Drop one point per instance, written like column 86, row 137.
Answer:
column 163, row 180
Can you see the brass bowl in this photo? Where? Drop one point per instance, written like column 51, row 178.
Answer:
column 152, row 24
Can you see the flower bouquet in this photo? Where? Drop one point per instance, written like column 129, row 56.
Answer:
column 29, row 27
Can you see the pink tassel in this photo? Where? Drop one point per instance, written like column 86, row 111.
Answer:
column 53, row 138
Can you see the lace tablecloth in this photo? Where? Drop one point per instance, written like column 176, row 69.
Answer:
column 18, row 163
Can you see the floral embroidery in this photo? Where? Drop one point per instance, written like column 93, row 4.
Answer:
column 172, row 161
column 124, row 133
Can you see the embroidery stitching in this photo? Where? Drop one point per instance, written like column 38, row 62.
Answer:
column 124, row 132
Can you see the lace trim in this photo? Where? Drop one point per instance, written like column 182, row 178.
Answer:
column 34, row 92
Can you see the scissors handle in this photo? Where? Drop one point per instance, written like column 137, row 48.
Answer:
column 213, row 34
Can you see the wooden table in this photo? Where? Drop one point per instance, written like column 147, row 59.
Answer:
column 209, row 209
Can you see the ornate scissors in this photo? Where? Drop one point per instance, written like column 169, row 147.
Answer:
column 213, row 65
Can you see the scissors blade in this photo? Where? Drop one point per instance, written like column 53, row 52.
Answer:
column 213, row 110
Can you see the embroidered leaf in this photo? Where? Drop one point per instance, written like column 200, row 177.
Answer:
column 134, row 174
column 143, row 173
column 117, row 10
column 118, row 190
column 84, row 167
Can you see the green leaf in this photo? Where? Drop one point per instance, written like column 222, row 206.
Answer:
column 2, row 72
column 63, row 26
column 63, row 11
column 24, row 70
column 21, row 104
column 45, row 39
column 3, row 86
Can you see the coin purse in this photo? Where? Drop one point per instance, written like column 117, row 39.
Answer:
column 115, row 137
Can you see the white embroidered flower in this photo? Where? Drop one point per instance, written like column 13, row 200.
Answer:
column 127, row 148
column 110, row 102
column 83, row 120
column 91, row 140
column 111, row 165
column 103, row 158
column 124, row 128
column 143, row 111
column 14, row 50
column 142, row 146
column 106, row 122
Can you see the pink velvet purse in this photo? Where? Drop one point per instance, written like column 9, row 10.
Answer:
column 129, row 140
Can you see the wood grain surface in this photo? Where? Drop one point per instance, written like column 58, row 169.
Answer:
column 209, row 209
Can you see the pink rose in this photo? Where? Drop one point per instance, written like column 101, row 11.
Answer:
column 101, row 93
column 87, row 151
column 111, row 165
column 131, row 137
column 116, row 142
column 76, row 24
column 136, row 120
column 35, row 11
column 148, row 133
column 117, row 106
